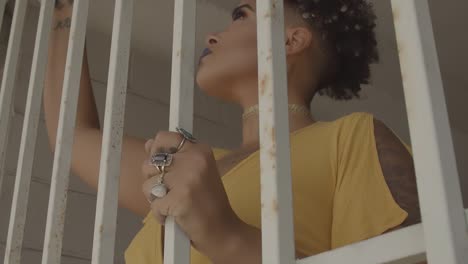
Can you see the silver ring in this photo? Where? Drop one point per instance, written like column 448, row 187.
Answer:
column 161, row 160
column 181, row 144
column 161, row 169
column 187, row 135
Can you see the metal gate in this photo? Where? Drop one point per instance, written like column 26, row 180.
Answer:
column 442, row 234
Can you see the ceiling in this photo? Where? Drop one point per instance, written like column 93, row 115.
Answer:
column 152, row 35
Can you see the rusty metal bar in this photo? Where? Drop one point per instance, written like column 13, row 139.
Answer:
column 65, row 136
column 2, row 11
column 443, row 218
column 29, row 136
column 275, row 164
column 8, row 81
column 109, row 175
column 176, row 244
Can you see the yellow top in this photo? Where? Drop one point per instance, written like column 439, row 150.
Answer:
column 340, row 194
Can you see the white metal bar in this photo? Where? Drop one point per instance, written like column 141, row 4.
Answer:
column 402, row 246
column 466, row 218
column 9, row 77
column 109, row 175
column 29, row 135
column 176, row 244
column 438, row 183
column 276, row 192
column 65, row 135
column 2, row 11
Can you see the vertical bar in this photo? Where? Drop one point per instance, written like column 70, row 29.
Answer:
column 277, row 213
column 2, row 11
column 466, row 218
column 8, row 81
column 438, row 184
column 29, row 135
column 109, row 175
column 9, row 77
column 65, row 136
column 177, row 245
column 2, row 158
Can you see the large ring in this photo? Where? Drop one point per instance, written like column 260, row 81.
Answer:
column 186, row 136
column 161, row 160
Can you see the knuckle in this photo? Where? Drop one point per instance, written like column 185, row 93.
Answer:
column 186, row 193
column 200, row 159
column 144, row 167
column 161, row 135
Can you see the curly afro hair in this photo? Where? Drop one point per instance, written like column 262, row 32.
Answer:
column 347, row 30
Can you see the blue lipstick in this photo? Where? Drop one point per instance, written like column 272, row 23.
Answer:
column 205, row 52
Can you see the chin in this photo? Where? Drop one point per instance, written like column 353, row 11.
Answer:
column 204, row 80
column 213, row 87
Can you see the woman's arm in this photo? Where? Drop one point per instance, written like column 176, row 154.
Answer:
column 87, row 135
column 243, row 245
column 398, row 169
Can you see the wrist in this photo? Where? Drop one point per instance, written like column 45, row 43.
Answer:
column 236, row 244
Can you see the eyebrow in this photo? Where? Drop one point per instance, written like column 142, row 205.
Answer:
column 242, row 6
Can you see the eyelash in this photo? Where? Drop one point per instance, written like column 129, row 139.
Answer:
column 238, row 14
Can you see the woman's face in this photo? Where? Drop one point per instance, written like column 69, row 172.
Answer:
column 231, row 67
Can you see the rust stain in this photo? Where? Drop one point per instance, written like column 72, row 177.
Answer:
column 396, row 14
column 263, row 84
column 272, row 151
column 275, row 206
column 273, row 133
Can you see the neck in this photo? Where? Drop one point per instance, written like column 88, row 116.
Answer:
column 250, row 127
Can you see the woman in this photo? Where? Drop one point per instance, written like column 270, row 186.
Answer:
column 352, row 178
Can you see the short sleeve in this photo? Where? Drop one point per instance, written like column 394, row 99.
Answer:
column 218, row 153
column 363, row 205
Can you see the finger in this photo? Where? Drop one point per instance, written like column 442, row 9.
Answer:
column 161, row 208
column 166, row 141
column 158, row 216
column 148, row 170
column 148, row 145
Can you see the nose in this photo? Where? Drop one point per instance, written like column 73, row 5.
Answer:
column 211, row 40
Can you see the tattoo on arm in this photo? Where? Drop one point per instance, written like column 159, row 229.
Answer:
column 59, row 4
column 61, row 24
column 398, row 169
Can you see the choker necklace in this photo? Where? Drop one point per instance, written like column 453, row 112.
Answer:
column 292, row 108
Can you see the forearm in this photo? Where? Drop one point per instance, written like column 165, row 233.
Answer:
column 87, row 115
column 243, row 245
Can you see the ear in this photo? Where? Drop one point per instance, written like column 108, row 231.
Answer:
column 298, row 39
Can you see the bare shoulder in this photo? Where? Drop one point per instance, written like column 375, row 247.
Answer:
column 398, row 169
